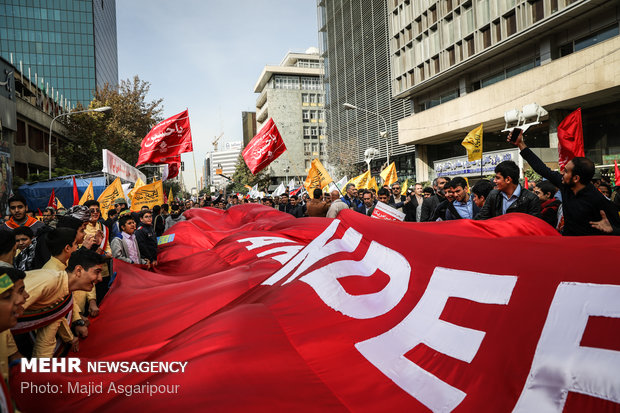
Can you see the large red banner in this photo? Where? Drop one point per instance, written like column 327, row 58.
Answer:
column 264, row 148
column 166, row 140
column 273, row 313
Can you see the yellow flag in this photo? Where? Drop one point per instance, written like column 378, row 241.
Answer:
column 404, row 191
column 137, row 185
column 473, row 144
column 170, row 197
column 88, row 194
column 361, row 181
column 58, row 204
column 389, row 174
column 148, row 195
column 467, row 180
column 373, row 184
column 109, row 195
column 317, row 177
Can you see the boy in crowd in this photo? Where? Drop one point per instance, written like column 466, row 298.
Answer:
column 18, row 207
column 124, row 245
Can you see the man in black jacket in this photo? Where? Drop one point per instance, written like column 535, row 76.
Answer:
column 146, row 237
column 584, row 207
column 431, row 203
column 509, row 196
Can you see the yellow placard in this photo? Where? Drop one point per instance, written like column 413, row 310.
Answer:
column 148, row 195
column 109, row 195
column 88, row 194
column 317, row 177
column 473, row 144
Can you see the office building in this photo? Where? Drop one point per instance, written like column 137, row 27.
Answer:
column 223, row 162
column 68, row 48
column 353, row 39
column 292, row 94
column 460, row 64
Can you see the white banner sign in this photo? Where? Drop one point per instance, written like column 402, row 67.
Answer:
column 387, row 213
column 460, row 166
column 114, row 165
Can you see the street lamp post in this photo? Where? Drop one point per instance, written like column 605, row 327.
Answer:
column 385, row 134
column 101, row 109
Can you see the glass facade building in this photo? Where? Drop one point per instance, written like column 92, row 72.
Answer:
column 69, row 44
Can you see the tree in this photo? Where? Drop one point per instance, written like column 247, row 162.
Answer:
column 121, row 130
column 243, row 176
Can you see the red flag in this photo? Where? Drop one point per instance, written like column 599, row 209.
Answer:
column 570, row 138
column 76, row 196
column 52, row 201
column 265, row 147
column 526, row 184
column 166, row 140
column 616, row 174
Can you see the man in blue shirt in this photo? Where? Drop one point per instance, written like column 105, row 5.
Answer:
column 463, row 206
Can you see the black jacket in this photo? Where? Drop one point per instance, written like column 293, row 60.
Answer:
column 527, row 203
column 147, row 242
column 428, row 207
column 580, row 208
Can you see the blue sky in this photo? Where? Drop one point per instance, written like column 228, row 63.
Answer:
column 207, row 55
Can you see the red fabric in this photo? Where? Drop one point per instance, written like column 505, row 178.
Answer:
column 266, row 146
column 52, row 201
column 166, row 140
column 174, row 166
column 257, row 347
column 570, row 138
column 616, row 174
column 76, row 195
column 526, row 184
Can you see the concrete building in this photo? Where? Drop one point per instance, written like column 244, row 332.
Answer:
column 248, row 124
column 462, row 63
column 353, row 39
column 69, row 46
column 292, row 94
column 224, row 160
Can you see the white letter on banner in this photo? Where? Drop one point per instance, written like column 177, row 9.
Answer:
column 325, row 282
column 560, row 364
column 422, row 325
column 286, row 252
column 317, row 250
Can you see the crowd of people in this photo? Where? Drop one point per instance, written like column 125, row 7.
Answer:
column 55, row 271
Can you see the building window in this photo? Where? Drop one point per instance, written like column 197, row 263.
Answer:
column 322, row 149
column 311, row 83
column 451, row 56
column 498, row 31
column 306, row 132
column 486, row 37
column 307, row 164
column 305, row 99
column 321, row 116
column 286, row 82
column 538, row 10
column 20, row 136
column 307, row 151
column 305, row 114
column 589, row 40
column 36, row 139
column 314, row 131
column 470, row 45
column 313, row 99
column 511, row 24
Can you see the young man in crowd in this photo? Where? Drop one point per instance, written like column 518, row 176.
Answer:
column 51, row 298
column 18, row 207
column 545, row 191
column 296, row 210
column 585, row 210
column 480, row 192
column 509, row 196
column 146, row 237
column 463, row 206
column 26, row 246
column 316, row 206
column 124, row 245
column 284, row 205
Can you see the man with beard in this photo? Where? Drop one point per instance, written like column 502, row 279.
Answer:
column 586, row 211
column 18, row 207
